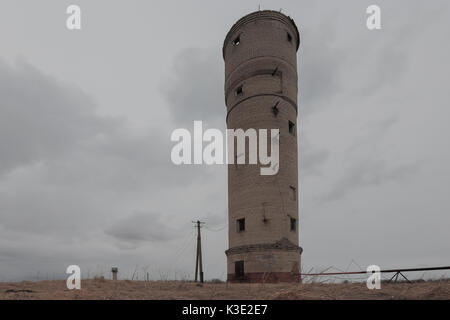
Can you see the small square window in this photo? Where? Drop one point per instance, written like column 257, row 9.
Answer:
column 240, row 225
column 289, row 37
column 275, row 109
column 239, row 90
column 294, row 193
column 239, row 269
column 293, row 224
column 292, row 128
column 237, row 40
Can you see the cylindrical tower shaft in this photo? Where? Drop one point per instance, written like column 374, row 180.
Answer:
column 260, row 53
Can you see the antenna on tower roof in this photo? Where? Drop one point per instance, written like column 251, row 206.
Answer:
column 259, row 7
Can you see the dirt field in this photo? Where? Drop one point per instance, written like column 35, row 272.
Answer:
column 125, row 289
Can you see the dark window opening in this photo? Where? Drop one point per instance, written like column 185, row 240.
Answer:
column 289, row 37
column 239, row 269
column 294, row 193
column 237, row 41
column 240, row 225
column 274, row 71
column 292, row 128
column 293, row 224
column 275, row 109
column 239, row 90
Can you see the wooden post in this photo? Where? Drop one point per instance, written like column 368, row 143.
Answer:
column 198, row 258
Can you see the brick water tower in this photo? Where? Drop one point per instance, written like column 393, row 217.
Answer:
column 260, row 53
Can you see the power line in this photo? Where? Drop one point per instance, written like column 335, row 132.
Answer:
column 183, row 249
column 216, row 230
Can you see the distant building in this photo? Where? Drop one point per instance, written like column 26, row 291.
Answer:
column 260, row 53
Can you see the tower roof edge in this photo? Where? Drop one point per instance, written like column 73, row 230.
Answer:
column 263, row 14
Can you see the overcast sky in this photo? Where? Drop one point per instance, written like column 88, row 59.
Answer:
column 86, row 117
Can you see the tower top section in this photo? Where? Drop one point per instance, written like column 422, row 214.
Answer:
column 262, row 15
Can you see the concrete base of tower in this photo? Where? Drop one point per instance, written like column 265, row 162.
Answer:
column 275, row 262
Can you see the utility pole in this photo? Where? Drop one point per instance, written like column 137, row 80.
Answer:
column 198, row 259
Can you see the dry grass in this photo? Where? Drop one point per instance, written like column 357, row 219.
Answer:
column 126, row 289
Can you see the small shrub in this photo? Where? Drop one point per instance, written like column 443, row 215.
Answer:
column 216, row 281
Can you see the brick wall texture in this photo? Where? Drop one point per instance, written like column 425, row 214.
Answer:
column 260, row 53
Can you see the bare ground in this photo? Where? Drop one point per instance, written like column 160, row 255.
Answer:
column 126, row 289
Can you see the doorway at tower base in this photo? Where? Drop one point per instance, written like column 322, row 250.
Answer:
column 268, row 263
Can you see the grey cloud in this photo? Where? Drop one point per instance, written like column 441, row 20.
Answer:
column 372, row 172
column 387, row 123
column 320, row 64
column 44, row 121
column 386, row 63
column 40, row 118
column 365, row 165
column 194, row 91
column 72, row 160
column 311, row 160
column 142, row 227
column 372, row 133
